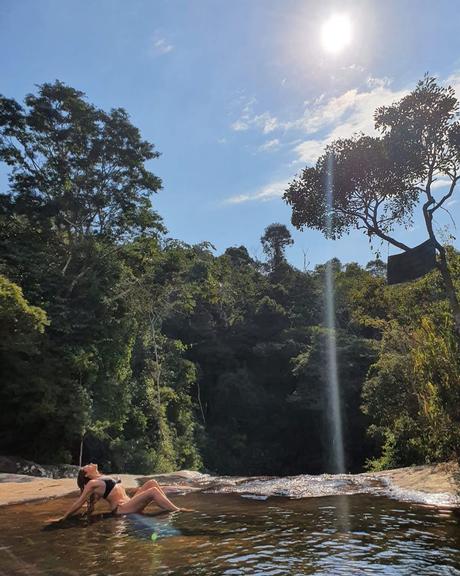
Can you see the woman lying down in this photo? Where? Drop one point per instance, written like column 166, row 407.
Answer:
column 94, row 486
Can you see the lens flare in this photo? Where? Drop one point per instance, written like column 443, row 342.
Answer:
column 333, row 387
column 336, row 33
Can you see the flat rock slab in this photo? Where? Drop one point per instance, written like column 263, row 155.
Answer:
column 18, row 491
column 437, row 485
column 433, row 484
column 434, row 478
column 16, row 478
column 18, row 488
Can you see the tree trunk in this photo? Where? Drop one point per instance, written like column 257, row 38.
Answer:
column 80, row 457
column 449, row 286
column 442, row 265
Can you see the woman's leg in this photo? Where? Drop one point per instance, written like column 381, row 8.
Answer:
column 140, row 500
column 149, row 484
column 163, row 489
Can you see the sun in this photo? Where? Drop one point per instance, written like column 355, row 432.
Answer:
column 336, row 33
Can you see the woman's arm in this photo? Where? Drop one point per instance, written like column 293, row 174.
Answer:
column 89, row 489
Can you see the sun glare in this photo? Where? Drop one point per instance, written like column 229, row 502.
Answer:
column 336, row 33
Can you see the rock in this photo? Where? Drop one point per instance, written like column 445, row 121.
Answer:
column 61, row 471
column 8, row 465
column 436, row 485
column 14, row 465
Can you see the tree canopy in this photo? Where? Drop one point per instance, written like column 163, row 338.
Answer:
column 378, row 182
column 146, row 354
column 81, row 166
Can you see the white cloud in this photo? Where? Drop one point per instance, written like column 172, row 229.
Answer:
column 353, row 68
column 350, row 113
column 264, row 194
column 270, row 145
column 342, row 116
column 374, row 82
column 321, row 113
column 248, row 104
column 161, row 46
column 339, row 116
column 309, row 151
column 454, row 81
column 323, row 121
column 265, row 122
column 240, row 126
column 441, row 183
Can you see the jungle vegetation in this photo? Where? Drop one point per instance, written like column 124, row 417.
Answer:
column 124, row 346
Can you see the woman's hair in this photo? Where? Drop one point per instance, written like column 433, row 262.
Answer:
column 82, row 481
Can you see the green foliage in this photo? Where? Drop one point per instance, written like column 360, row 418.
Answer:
column 157, row 355
column 21, row 323
column 412, row 392
column 377, row 182
column 274, row 242
column 435, row 359
column 77, row 232
column 79, row 166
column 39, row 414
column 354, row 356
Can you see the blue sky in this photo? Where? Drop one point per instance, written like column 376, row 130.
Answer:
column 237, row 96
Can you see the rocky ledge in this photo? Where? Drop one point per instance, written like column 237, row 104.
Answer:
column 436, row 485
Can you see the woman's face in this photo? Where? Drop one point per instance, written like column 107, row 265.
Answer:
column 90, row 469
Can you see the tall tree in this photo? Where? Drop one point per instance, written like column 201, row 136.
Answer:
column 378, row 182
column 79, row 168
column 79, row 194
column 275, row 240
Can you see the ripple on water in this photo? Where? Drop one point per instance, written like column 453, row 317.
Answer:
column 334, row 535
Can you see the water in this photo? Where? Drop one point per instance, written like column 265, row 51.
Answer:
column 230, row 535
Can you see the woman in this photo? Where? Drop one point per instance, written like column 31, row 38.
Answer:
column 94, row 485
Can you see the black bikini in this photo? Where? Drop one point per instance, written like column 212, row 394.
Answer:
column 109, row 485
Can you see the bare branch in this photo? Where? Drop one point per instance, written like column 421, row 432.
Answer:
column 450, row 215
column 66, row 265
column 448, row 195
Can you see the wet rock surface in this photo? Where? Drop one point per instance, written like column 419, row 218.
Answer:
column 437, row 485
column 431, row 485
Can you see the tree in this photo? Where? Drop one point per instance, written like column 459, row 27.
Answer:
column 39, row 416
column 79, row 196
column 355, row 355
column 80, row 169
column 239, row 256
column 412, row 393
column 274, row 242
column 378, row 182
column 20, row 321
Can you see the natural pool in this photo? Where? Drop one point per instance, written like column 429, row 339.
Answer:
column 231, row 535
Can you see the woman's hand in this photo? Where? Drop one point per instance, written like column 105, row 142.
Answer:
column 89, row 489
column 56, row 520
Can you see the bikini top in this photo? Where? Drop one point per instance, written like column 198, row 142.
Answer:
column 109, row 485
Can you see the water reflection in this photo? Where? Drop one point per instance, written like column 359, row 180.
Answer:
column 231, row 535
